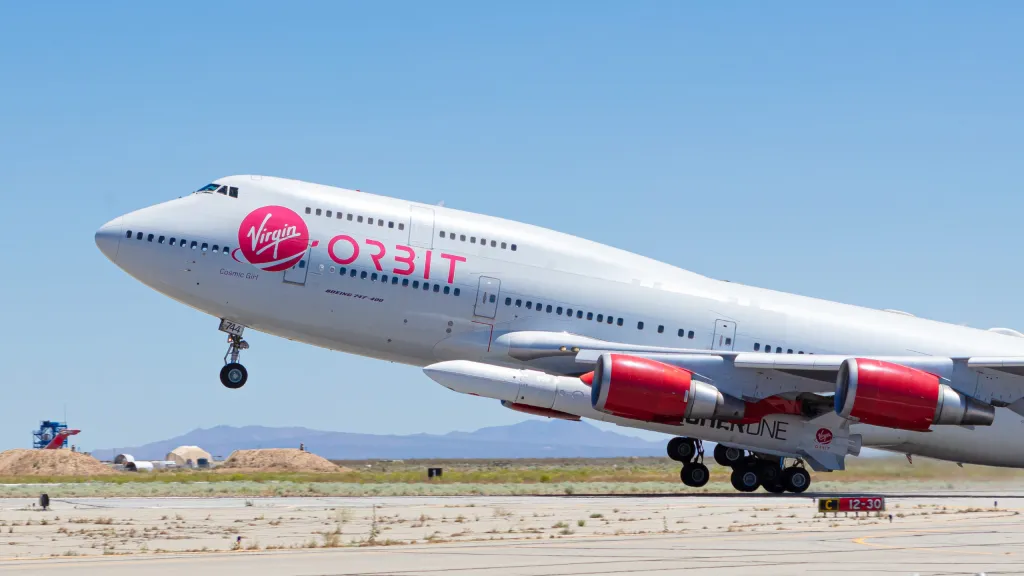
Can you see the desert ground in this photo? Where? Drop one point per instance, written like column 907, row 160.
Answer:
column 510, row 535
column 285, row 512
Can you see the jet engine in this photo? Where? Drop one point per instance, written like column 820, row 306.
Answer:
column 652, row 391
column 895, row 396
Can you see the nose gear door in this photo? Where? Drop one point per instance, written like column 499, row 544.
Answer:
column 487, row 297
column 725, row 334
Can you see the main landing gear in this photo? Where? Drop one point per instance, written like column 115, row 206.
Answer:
column 749, row 471
column 770, row 473
column 691, row 453
column 233, row 375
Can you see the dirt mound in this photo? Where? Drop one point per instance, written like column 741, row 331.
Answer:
column 278, row 460
column 21, row 462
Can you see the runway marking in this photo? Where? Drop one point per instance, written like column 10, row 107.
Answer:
column 953, row 548
column 458, row 547
column 649, row 563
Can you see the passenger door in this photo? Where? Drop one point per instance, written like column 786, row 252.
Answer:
column 487, row 297
column 725, row 335
column 421, row 227
column 297, row 274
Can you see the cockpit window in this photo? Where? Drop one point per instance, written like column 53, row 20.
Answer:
column 224, row 189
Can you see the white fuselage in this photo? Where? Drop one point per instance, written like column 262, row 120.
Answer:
column 429, row 283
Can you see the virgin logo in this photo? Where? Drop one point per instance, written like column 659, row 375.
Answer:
column 824, row 436
column 273, row 238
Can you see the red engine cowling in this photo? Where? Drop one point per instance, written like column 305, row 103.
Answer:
column 538, row 411
column 651, row 391
column 896, row 396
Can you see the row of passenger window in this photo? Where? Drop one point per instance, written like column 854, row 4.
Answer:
column 682, row 333
column 778, row 349
column 483, row 241
column 205, row 247
column 539, row 307
column 580, row 314
column 395, row 281
column 353, row 217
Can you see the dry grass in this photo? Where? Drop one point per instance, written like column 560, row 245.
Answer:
column 486, row 477
column 529, row 471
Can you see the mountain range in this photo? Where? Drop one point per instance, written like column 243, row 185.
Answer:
column 527, row 439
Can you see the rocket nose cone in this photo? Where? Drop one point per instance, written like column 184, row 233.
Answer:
column 441, row 374
column 462, row 375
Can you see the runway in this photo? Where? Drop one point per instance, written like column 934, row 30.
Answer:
column 512, row 536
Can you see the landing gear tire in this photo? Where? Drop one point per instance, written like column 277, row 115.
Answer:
column 694, row 474
column 795, row 479
column 726, row 456
column 233, row 375
column 671, row 448
column 776, row 488
column 682, row 449
column 745, row 479
column 770, row 474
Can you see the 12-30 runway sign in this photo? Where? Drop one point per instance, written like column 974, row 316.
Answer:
column 861, row 504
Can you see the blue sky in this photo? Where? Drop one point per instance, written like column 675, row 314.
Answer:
column 868, row 153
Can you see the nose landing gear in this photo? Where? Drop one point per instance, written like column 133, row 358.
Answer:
column 233, row 375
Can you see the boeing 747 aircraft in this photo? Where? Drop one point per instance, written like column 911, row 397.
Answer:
column 554, row 325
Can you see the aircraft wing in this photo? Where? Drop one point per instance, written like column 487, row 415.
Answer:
column 822, row 363
column 1008, row 364
column 996, row 380
column 756, row 375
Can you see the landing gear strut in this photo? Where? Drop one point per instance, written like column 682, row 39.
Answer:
column 233, row 375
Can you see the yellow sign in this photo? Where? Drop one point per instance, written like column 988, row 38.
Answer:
column 828, row 504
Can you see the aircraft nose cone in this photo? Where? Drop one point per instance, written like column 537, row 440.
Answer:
column 108, row 238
